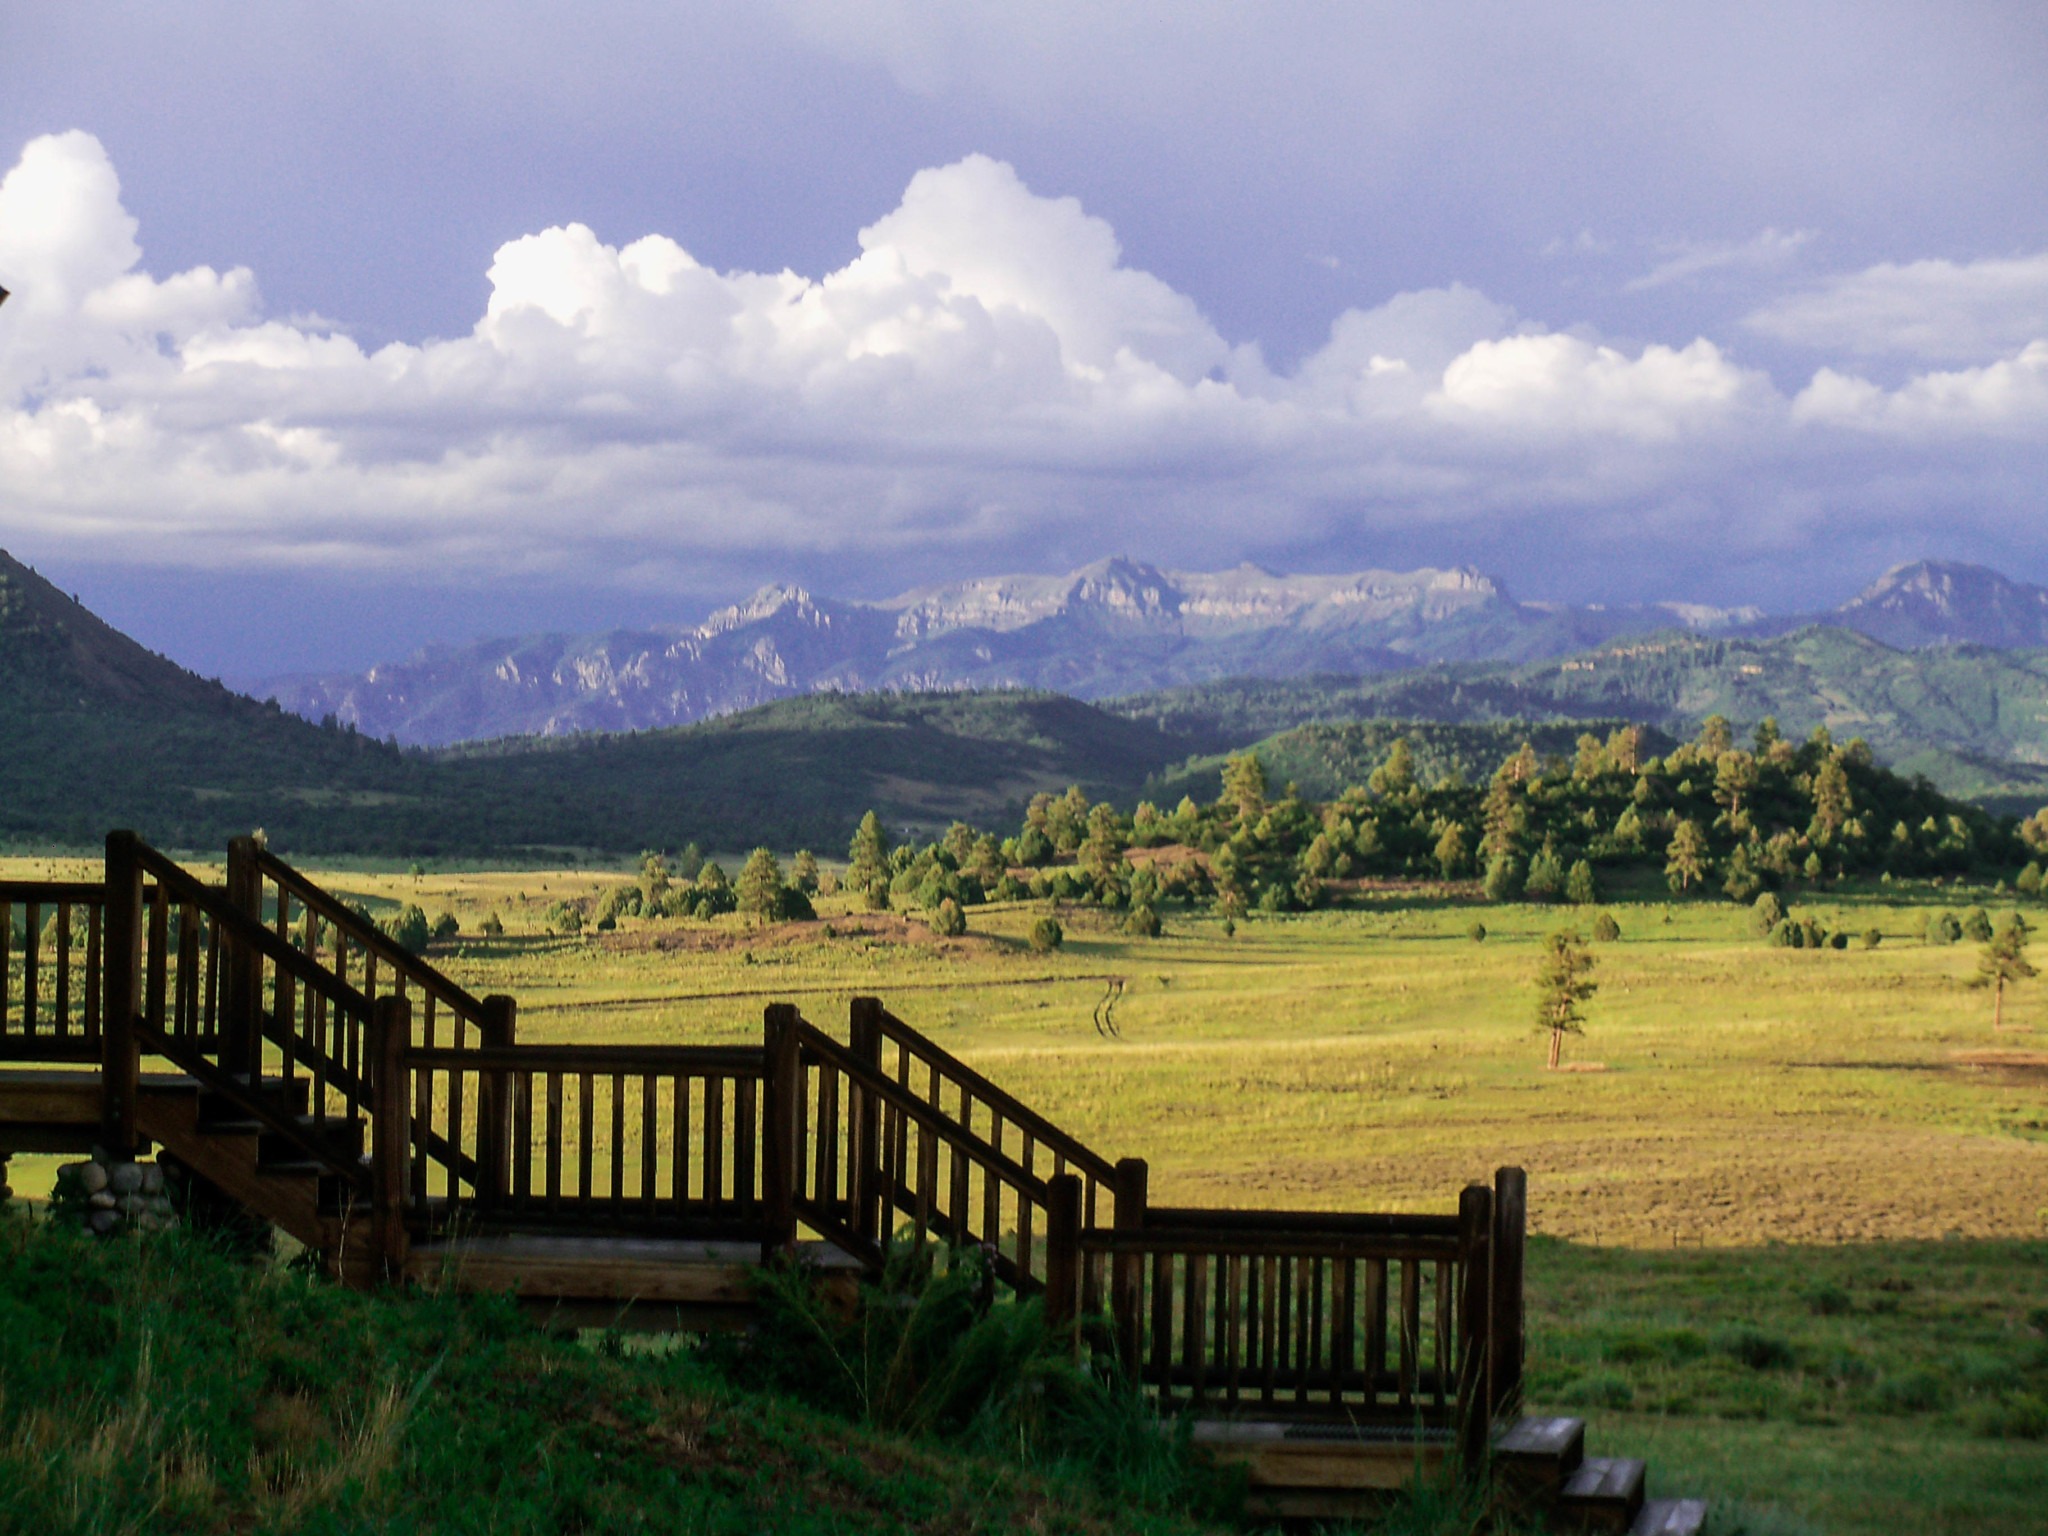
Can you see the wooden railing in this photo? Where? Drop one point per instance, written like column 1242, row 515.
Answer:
column 340, row 939
column 50, row 971
column 996, row 1120
column 269, row 992
column 638, row 1140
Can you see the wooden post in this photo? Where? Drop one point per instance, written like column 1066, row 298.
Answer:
column 1475, row 1417
column 1063, row 1250
column 864, row 1125
column 780, row 1110
column 1126, row 1270
column 241, row 1027
column 1510, row 1221
column 121, row 973
column 497, row 1029
column 391, row 1145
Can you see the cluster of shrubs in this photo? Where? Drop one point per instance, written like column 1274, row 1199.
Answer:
column 1947, row 928
column 1787, row 930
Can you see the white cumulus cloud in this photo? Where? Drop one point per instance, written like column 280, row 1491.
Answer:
column 987, row 372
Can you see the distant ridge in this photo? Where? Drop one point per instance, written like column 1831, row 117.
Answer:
column 1941, row 602
column 1116, row 627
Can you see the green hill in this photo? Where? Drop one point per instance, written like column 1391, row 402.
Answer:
column 1975, row 721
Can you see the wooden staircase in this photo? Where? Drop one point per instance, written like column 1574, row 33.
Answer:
column 350, row 1095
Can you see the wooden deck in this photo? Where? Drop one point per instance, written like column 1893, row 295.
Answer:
column 326, row 1081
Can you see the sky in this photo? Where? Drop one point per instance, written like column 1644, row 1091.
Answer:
column 338, row 329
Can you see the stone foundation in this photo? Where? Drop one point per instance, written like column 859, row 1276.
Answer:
column 108, row 1195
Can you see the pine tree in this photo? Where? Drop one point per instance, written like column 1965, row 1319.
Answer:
column 1564, row 984
column 1244, row 787
column 760, row 885
column 2004, row 963
column 1450, row 851
column 867, row 856
column 1686, row 859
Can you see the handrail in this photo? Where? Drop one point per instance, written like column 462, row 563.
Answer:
column 48, row 892
column 1014, row 1111
column 918, row 1110
column 1221, row 1238
column 733, row 1060
column 1345, row 1223
column 369, row 936
column 213, row 901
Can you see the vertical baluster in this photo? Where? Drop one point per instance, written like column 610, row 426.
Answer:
column 422, row 1110
column 679, row 1163
column 187, row 994
column 1375, row 1327
column 650, row 1141
column 825, row 1175
column 1411, row 1325
column 93, row 974
column 1161, row 1318
column 1194, row 1351
column 1308, row 1324
column 618, row 1132
column 554, row 1147
column 1441, row 1354
column 992, row 1192
column 1233, row 1327
column 1028, row 1153
column 31, row 965
column 155, row 1005
column 456, row 1074
column 714, row 1140
column 586, row 1135
column 745, row 1141
column 1343, row 1333
column 521, row 1085
column 62, row 1022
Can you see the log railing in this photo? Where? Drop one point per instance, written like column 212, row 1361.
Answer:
column 981, row 1110
column 637, row 1140
column 50, row 938
column 267, row 983
column 340, row 939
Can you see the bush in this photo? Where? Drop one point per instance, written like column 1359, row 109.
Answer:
column 948, row 921
column 1838, row 941
column 446, row 926
column 1605, row 928
column 1047, row 935
column 409, row 930
column 1143, row 922
column 1546, row 880
column 1788, row 935
column 1977, row 926
column 1753, row 1347
column 1943, row 928
column 1768, row 912
column 1476, row 933
column 2029, row 882
column 493, row 927
column 1872, row 937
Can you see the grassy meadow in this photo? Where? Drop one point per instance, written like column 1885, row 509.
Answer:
column 1791, row 1205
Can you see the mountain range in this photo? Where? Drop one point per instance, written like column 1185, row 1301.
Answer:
column 1115, row 628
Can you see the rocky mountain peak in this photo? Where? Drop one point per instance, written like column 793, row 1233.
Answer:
column 1947, row 602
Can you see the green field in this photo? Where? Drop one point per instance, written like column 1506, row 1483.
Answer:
column 1793, row 1203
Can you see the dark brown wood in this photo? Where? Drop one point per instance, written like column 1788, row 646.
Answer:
column 864, row 1131
column 120, row 1057
column 391, row 1158
column 781, row 1119
column 1063, row 1251
column 242, row 1042
column 499, row 1028
column 1504, row 1338
column 1474, row 1417
column 1132, row 1177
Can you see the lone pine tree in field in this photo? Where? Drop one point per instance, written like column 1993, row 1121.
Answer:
column 760, row 887
column 1564, row 983
column 2004, row 963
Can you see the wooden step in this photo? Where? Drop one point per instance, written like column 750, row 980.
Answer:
column 1604, row 1493
column 1531, row 1460
column 1671, row 1517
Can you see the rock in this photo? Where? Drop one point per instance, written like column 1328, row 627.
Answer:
column 159, row 1205
column 132, row 1205
column 102, row 1222
column 105, row 1200
column 126, row 1178
column 152, row 1179
column 92, row 1177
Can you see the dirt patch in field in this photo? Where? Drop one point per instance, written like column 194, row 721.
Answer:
column 868, row 928
column 2011, row 1068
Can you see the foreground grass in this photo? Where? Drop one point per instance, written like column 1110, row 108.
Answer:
column 157, row 1386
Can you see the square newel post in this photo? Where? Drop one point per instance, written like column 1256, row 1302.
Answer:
column 864, row 1125
column 1475, row 1316
column 121, row 995
column 242, row 1025
column 1126, row 1270
column 780, row 1111
column 1510, row 1223
column 496, row 1030
column 391, row 1140
column 1063, row 1251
